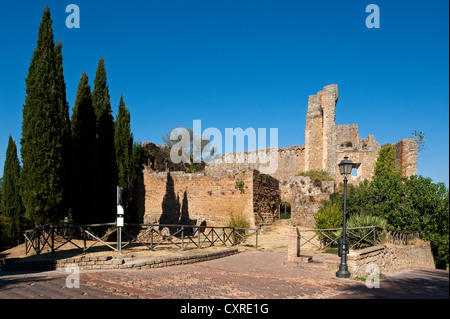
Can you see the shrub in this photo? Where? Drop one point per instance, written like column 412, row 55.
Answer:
column 329, row 216
column 362, row 221
column 238, row 220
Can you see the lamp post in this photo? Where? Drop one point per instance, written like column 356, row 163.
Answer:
column 345, row 168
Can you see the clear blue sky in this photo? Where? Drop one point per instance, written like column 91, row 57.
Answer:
column 247, row 64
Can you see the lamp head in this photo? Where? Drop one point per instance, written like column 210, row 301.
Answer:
column 345, row 166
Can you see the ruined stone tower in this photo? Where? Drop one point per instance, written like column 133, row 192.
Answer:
column 320, row 119
column 326, row 143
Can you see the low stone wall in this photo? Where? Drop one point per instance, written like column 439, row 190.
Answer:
column 117, row 262
column 390, row 258
column 387, row 257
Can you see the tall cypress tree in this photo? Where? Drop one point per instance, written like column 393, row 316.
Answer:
column 106, row 168
column 84, row 132
column 45, row 132
column 123, row 140
column 11, row 202
column 128, row 158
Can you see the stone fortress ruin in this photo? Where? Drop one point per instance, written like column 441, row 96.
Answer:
column 237, row 186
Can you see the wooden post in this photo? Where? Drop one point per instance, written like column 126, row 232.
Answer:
column 182, row 237
column 38, row 244
column 374, row 236
column 53, row 240
column 84, row 238
column 151, row 238
column 257, row 231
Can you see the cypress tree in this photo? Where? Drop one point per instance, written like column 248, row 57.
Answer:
column 84, row 182
column 106, row 155
column 45, row 132
column 123, row 141
column 129, row 158
column 11, row 202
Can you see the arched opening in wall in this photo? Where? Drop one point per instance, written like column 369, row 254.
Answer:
column 285, row 210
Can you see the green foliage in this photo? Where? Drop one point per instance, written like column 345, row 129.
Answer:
column 45, row 142
column 84, row 155
column 240, row 185
column 408, row 204
column 429, row 214
column 191, row 168
column 11, row 202
column 129, row 159
column 238, row 220
column 385, row 164
column 363, row 221
column 330, row 215
column 420, row 137
column 107, row 166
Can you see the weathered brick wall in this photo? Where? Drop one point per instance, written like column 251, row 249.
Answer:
column 177, row 197
column 406, row 156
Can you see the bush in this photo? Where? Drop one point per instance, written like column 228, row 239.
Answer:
column 238, row 220
column 363, row 221
column 329, row 216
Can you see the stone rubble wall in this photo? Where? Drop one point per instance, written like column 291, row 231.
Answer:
column 390, row 258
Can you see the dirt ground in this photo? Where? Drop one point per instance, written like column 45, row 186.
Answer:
column 270, row 239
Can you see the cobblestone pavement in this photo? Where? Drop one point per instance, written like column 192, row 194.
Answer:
column 249, row 275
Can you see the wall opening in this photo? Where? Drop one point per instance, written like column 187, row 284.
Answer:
column 285, row 210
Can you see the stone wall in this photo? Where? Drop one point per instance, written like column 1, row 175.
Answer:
column 406, row 156
column 266, row 199
column 290, row 162
column 306, row 196
column 177, row 197
column 390, row 258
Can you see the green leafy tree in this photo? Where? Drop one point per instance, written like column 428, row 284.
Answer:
column 429, row 214
column 45, row 142
column 420, row 137
column 84, row 155
column 11, row 202
column 106, row 165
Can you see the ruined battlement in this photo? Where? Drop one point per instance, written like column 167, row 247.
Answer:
column 326, row 144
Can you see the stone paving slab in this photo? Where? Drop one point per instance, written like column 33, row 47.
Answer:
column 247, row 275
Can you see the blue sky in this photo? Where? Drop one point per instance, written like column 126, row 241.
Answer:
column 247, row 64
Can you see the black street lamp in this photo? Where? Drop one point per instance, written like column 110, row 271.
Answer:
column 345, row 168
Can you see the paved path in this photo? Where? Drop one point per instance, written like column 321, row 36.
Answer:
column 258, row 275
